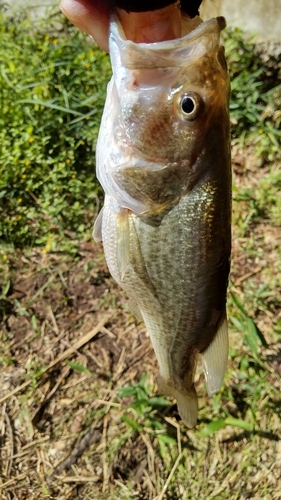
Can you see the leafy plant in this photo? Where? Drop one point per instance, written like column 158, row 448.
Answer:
column 144, row 407
column 142, row 402
column 253, row 337
column 255, row 96
column 216, row 425
column 52, row 89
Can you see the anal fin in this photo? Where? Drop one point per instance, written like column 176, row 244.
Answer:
column 214, row 359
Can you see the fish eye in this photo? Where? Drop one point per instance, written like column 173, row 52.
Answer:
column 190, row 104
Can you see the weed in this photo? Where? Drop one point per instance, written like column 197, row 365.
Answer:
column 145, row 408
column 51, row 92
column 52, row 89
column 255, row 97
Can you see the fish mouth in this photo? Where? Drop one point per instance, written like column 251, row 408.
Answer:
column 166, row 53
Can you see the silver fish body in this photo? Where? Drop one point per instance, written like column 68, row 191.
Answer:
column 163, row 159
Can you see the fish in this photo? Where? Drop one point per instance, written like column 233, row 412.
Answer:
column 163, row 160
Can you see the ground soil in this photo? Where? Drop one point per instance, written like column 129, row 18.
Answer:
column 53, row 301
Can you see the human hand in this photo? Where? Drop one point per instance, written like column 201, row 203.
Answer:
column 90, row 17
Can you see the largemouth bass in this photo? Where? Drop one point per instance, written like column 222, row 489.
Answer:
column 163, row 159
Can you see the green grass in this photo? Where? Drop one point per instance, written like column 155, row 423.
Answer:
column 255, row 95
column 52, row 88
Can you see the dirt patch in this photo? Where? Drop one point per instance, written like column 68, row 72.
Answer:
column 52, row 302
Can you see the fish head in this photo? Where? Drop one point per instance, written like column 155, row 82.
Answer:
column 166, row 97
column 168, row 93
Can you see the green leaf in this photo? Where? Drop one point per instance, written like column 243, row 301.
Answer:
column 49, row 105
column 158, row 401
column 78, row 367
column 6, row 289
column 241, row 424
column 251, row 338
column 239, row 325
column 166, row 439
column 212, row 427
column 132, row 423
column 216, row 425
column 260, row 335
column 238, row 304
column 126, row 392
column 254, row 337
column 141, row 406
column 162, row 449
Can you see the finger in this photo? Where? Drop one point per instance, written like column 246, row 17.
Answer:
column 92, row 19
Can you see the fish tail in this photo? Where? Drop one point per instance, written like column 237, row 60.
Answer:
column 187, row 401
column 188, row 407
column 214, row 359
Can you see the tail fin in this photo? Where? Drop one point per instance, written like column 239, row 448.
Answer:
column 187, row 401
column 214, row 359
column 188, row 407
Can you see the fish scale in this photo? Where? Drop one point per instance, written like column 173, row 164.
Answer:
column 165, row 224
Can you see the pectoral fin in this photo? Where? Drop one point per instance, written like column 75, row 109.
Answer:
column 134, row 308
column 214, row 359
column 123, row 241
column 97, row 234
